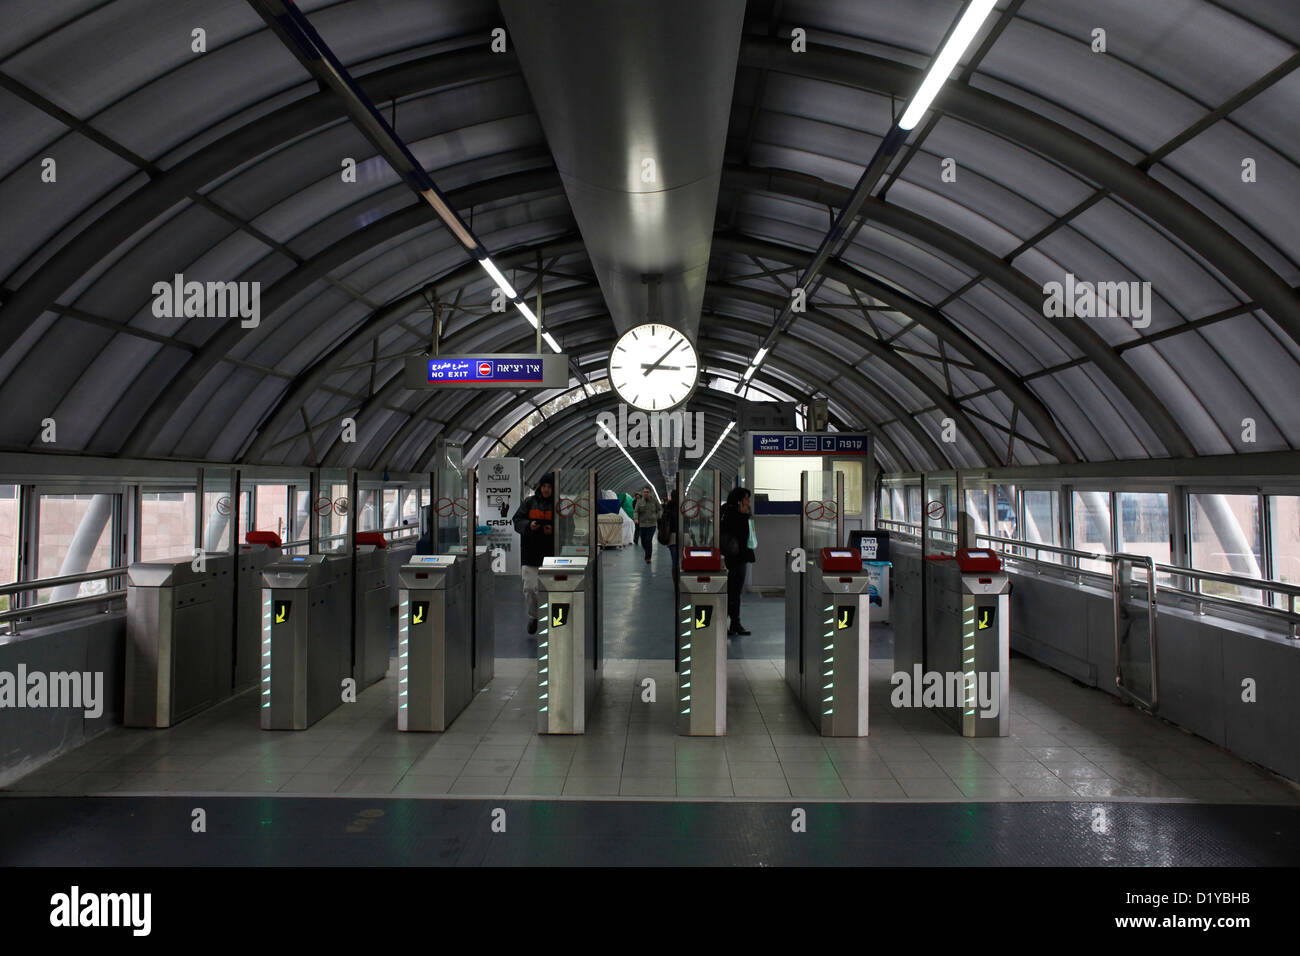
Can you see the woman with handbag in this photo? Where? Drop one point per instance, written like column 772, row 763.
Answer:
column 738, row 543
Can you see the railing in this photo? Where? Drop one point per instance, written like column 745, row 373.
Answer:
column 28, row 613
column 913, row 531
column 1289, row 593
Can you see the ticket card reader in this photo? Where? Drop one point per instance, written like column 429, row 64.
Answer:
column 702, row 643
column 306, row 639
column 836, row 642
column 569, row 659
column 985, row 644
column 435, row 680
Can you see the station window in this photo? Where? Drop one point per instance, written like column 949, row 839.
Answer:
column 271, row 510
column 1004, row 510
column 1043, row 520
column 779, row 477
column 853, row 494
column 977, row 507
column 392, row 509
column 75, row 535
column 1284, row 533
column 8, row 539
column 914, row 504
column 218, row 514
column 332, row 511
column 1092, row 528
column 166, row 525
column 1225, row 537
column 1144, row 524
column 410, row 507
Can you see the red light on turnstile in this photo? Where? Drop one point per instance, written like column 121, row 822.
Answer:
column 704, row 580
column 846, row 580
column 561, row 577
column 986, row 580
column 421, row 574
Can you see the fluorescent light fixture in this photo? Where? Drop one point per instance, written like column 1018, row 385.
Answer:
column 448, row 216
column 630, row 458
column 490, row 268
column 549, row 339
column 758, row 357
column 526, row 312
column 961, row 38
column 717, row 444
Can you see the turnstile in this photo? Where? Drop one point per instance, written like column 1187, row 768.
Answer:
column 836, row 647
column 794, row 576
column 259, row 549
column 306, row 638
column 569, row 658
column 179, row 625
column 702, row 644
column 370, row 609
column 435, row 676
column 485, row 619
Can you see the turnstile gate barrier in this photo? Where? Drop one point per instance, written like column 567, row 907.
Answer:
column 702, row 643
column 371, row 608
column 435, row 679
column 306, row 639
column 179, row 629
column 259, row 549
column 568, row 653
column 836, row 642
column 485, row 619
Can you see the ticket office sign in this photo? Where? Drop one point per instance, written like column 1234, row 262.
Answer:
column 487, row 370
column 809, row 443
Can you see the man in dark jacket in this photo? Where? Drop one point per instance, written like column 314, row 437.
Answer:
column 534, row 521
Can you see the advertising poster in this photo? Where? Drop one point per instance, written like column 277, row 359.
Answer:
column 499, row 494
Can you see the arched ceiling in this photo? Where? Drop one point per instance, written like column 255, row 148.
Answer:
column 225, row 165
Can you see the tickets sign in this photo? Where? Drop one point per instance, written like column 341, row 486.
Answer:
column 809, row 443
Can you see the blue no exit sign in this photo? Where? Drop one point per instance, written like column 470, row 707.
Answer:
column 487, row 371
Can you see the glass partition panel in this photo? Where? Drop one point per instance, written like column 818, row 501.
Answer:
column 332, row 511
column 451, row 507
column 853, row 495
column 977, row 508
column 1225, row 537
column 218, row 532
column 75, row 535
column 1004, row 511
column 574, row 528
column 1092, row 528
column 271, row 508
column 698, row 515
column 821, row 509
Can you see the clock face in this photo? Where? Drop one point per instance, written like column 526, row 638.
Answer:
column 653, row 367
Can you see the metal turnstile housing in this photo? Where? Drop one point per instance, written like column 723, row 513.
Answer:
column 371, row 609
column 569, row 658
column 252, row 561
column 793, row 627
column 702, row 644
column 435, row 679
column 179, row 629
column 306, row 639
column 968, row 641
column 485, row 619
column 836, row 644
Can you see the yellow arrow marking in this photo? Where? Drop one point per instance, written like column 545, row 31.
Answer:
column 984, row 621
column 281, row 614
column 418, row 616
column 844, row 621
column 700, row 622
column 559, row 617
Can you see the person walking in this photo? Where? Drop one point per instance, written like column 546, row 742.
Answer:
column 737, row 535
column 671, row 522
column 534, row 522
column 647, row 513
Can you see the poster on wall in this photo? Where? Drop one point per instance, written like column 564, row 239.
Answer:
column 500, row 492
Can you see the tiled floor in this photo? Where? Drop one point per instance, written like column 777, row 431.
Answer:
column 1067, row 742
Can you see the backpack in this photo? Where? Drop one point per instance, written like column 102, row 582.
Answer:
column 664, row 535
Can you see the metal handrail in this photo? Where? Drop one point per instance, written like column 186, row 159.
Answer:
column 41, row 584
column 1043, row 546
column 42, row 608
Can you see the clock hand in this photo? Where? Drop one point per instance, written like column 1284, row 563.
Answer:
column 662, row 368
column 651, row 368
